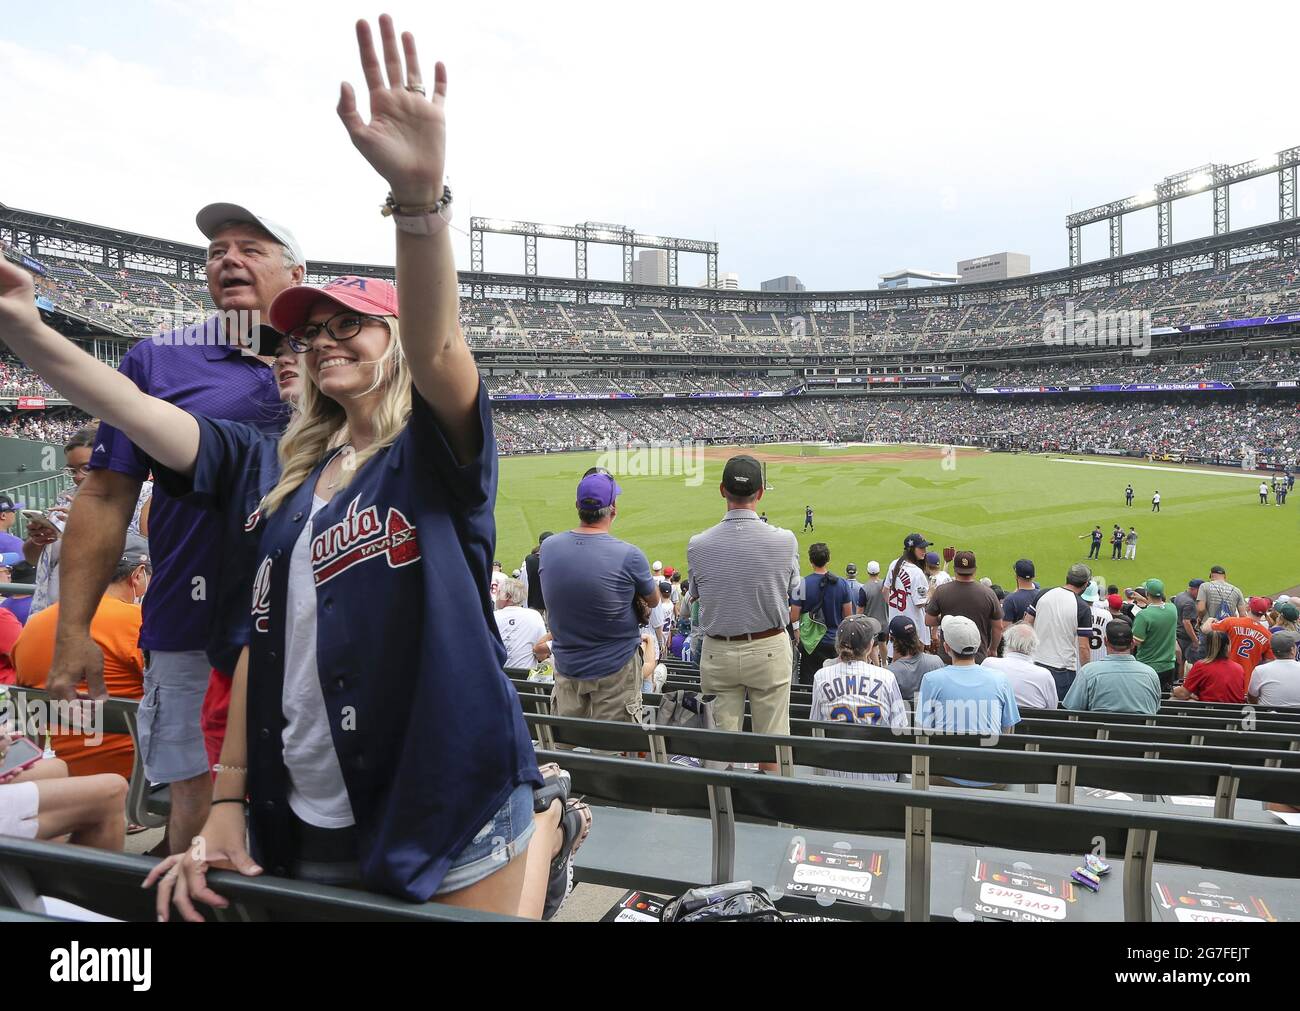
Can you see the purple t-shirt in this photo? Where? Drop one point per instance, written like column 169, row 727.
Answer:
column 589, row 581
column 217, row 381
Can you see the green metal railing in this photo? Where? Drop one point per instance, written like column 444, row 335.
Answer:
column 39, row 494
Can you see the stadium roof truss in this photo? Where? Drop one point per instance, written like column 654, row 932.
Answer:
column 1215, row 177
column 44, row 234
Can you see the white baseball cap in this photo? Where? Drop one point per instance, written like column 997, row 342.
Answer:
column 873, row 568
column 1282, row 599
column 960, row 635
column 213, row 216
column 658, row 565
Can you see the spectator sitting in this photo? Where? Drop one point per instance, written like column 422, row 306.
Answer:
column 911, row 662
column 592, row 580
column 1033, row 686
column 521, row 628
column 1277, row 683
column 965, row 698
column 115, row 628
column 1118, row 682
column 41, row 802
column 1217, row 678
column 20, row 603
column 853, row 690
column 11, row 548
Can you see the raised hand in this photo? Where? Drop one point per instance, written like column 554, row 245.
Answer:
column 17, row 298
column 405, row 140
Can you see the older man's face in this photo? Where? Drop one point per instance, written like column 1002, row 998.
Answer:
column 247, row 269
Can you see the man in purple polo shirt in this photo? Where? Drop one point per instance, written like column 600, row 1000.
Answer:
column 206, row 369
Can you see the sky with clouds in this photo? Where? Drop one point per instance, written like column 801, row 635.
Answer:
column 830, row 141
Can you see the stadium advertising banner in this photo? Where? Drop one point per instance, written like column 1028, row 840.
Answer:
column 707, row 395
column 1111, row 388
column 21, row 258
column 31, row 403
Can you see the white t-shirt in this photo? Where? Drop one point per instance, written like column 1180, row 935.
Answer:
column 497, row 579
column 940, row 578
column 1060, row 618
column 661, row 621
column 317, row 793
column 1100, row 619
column 520, row 629
column 1033, row 686
column 858, row 692
column 1263, row 488
column 908, row 597
column 1276, row 683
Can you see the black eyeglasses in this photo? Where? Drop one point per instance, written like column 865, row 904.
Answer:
column 74, row 471
column 342, row 327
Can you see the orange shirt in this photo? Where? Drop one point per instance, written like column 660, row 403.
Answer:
column 9, row 633
column 116, row 630
column 1249, row 640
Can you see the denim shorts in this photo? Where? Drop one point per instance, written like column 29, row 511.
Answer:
column 329, row 856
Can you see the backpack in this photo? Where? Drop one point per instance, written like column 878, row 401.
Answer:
column 737, row 902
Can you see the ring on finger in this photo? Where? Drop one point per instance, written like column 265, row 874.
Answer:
column 418, row 88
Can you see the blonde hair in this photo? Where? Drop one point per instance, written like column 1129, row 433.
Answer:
column 320, row 424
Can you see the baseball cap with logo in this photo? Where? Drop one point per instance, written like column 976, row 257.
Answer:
column 1025, row 569
column 963, row 563
column 743, row 476
column 597, row 491
column 901, row 624
column 368, row 295
column 850, row 570
column 1115, row 601
column 8, row 505
column 213, row 216
column 1289, row 611
column 1260, row 605
column 1154, row 588
column 960, row 635
column 915, row 541
column 873, row 568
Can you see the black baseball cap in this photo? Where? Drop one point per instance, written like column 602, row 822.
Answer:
column 1218, row 570
column 915, row 541
column 1025, row 569
column 1119, row 633
column 743, row 476
column 901, row 624
column 1194, row 583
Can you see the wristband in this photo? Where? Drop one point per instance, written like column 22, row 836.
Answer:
column 230, row 800
column 229, row 768
column 422, row 219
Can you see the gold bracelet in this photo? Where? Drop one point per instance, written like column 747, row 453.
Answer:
column 228, row 768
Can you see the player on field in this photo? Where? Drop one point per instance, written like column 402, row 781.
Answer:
column 1263, row 493
column 906, row 587
column 1155, row 502
column 808, row 519
column 1128, row 495
column 1097, row 537
column 1116, row 543
column 1131, row 544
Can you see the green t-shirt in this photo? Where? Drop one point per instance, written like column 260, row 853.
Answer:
column 1157, row 627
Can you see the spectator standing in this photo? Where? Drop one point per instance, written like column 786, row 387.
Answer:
column 854, row 587
column 824, row 597
column 1131, row 544
column 521, row 627
column 743, row 573
column 1217, row 678
column 1119, row 682
column 1063, row 623
column 906, row 588
column 1277, row 683
column 1155, row 632
column 1249, row 636
column 1218, row 598
column 871, row 602
column 1189, row 639
column 1033, row 686
column 1016, row 603
column 593, row 579
column 532, row 580
column 970, row 599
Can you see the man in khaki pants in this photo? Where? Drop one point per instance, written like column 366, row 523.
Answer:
column 591, row 580
column 744, row 572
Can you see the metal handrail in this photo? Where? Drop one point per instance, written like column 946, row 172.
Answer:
column 39, row 494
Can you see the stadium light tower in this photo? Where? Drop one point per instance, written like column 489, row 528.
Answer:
column 589, row 231
column 1215, row 176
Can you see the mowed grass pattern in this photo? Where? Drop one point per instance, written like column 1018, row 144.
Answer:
column 1001, row 506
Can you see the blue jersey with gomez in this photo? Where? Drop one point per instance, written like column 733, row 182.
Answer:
column 427, row 728
column 193, row 370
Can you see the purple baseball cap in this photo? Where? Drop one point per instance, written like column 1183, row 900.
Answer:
column 597, row 491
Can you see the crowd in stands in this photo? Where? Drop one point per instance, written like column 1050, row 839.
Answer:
column 54, row 426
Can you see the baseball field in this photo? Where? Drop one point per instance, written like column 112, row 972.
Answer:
column 866, row 499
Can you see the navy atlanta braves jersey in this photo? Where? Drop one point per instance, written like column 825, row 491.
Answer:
column 427, row 728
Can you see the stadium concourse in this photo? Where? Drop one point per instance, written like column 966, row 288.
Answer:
column 1153, row 771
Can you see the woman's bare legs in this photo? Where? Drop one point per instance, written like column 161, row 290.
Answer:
column 92, row 809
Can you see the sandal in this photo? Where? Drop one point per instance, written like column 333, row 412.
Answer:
column 575, row 823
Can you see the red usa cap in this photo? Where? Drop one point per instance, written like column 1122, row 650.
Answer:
column 369, row 295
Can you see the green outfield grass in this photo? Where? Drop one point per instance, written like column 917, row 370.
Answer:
column 1001, row 506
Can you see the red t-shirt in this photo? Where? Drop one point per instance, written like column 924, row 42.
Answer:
column 1220, row 681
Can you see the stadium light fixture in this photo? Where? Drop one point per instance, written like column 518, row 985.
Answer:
column 1146, row 197
column 1267, row 161
column 1198, row 182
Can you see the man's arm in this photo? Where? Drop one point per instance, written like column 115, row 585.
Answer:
column 995, row 637
column 92, row 545
column 1085, row 648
